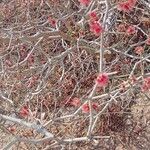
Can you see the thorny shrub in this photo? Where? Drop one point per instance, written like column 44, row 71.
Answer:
column 71, row 72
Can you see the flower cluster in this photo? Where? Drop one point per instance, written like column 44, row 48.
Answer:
column 84, row 2
column 127, row 6
column 130, row 30
column 93, row 16
column 139, row 50
column 94, row 25
column 24, row 111
column 102, row 80
column 96, row 28
column 76, row 102
column 86, row 108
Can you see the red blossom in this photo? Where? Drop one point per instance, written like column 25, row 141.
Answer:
column 52, row 21
column 132, row 2
column 102, row 80
column 24, row 111
column 127, row 6
column 130, row 30
column 85, row 108
column 96, row 28
column 93, row 16
column 95, row 106
column 84, row 2
column 139, row 50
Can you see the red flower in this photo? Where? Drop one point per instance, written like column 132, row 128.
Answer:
column 52, row 21
column 130, row 30
column 84, row 2
column 148, row 41
column 96, row 28
column 127, row 6
column 132, row 2
column 75, row 102
column 102, row 80
column 93, row 16
column 139, row 50
column 24, row 111
column 95, row 106
column 146, row 84
column 85, row 108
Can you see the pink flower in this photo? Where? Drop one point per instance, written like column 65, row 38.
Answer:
column 95, row 106
column 93, row 16
column 52, row 22
column 84, row 2
column 130, row 30
column 75, row 102
column 124, row 6
column 85, row 108
column 148, row 41
column 24, row 111
column 132, row 2
column 127, row 6
column 96, row 28
column 102, row 80
column 146, row 84
column 139, row 50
